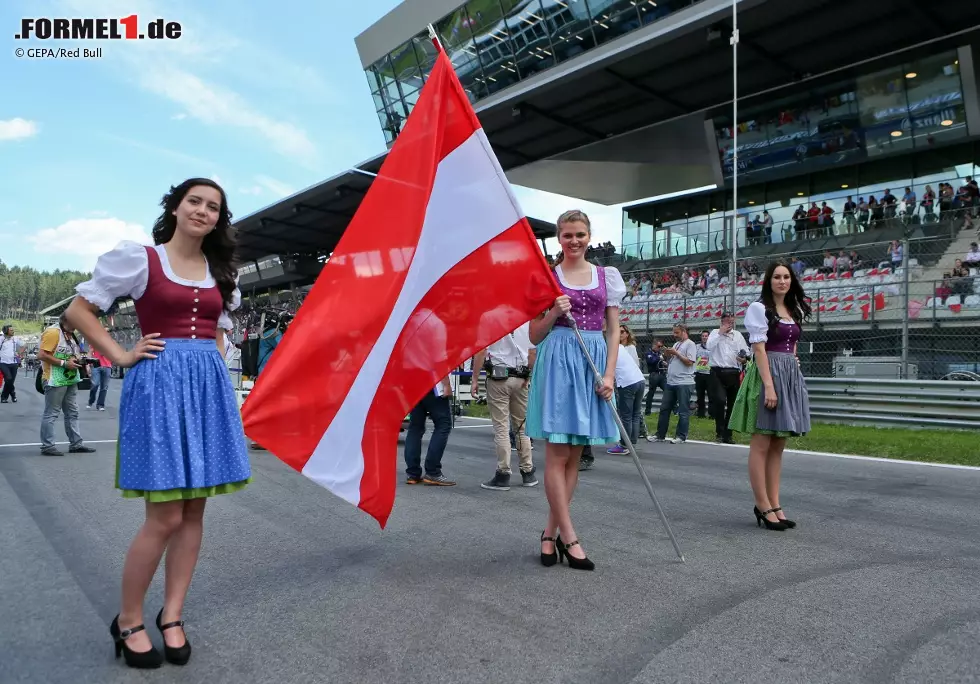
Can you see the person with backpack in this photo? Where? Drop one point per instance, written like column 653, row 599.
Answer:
column 62, row 367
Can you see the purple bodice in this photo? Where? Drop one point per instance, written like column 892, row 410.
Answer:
column 588, row 306
column 782, row 337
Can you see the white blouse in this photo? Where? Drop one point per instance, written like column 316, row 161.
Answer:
column 124, row 272
column 756, row 323
column 615, row 287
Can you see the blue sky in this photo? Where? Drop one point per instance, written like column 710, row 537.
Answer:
column 268, row 98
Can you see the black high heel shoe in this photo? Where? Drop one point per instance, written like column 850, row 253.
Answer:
column 789, row 523
column 573, row 562
column 146, row 660
column 549, row 559
column 181, row 654
column 760, row 518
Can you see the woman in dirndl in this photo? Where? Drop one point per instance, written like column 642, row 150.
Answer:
column 567, row 408
column 180, row 431
column 773, row 403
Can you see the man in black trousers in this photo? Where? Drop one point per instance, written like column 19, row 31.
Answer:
column 728, row 352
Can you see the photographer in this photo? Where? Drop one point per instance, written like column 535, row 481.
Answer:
column 62, row 365
column 508, row 363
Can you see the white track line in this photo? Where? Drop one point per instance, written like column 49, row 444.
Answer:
column 876, row 459
column 37, row 444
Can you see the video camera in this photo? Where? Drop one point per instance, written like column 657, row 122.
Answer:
column 86, row 361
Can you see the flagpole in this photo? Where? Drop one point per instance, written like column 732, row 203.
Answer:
column 733, row 268
column 435, row 38
column 627, row 440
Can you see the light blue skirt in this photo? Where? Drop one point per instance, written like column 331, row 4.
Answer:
column 563, row 407
column 179, row 423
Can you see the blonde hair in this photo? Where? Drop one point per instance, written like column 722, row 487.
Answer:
column 571, row 216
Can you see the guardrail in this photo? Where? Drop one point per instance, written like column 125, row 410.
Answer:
column 895, row 403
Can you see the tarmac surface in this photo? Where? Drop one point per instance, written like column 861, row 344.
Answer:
column 877, row 584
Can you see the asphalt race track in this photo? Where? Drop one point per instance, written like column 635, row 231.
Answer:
column 877, row 584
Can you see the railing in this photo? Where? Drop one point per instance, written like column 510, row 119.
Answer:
column 895, row 403
column 706, row 236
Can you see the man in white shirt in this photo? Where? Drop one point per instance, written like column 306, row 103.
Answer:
column 727, row 352
column 508, row 363
column 11, row 349
column 680, row 384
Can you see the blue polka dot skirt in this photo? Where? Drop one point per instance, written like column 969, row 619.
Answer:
column 563, row 406
column 180, row 430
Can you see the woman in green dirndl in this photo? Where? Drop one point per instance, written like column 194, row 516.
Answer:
column 772, row 402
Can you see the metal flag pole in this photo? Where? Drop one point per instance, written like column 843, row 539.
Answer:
column 733, row 268
column 627, row 440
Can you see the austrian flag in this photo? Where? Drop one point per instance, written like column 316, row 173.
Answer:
column 438, row 263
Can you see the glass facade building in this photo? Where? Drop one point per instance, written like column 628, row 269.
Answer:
column 496, row 43
column 896, row 128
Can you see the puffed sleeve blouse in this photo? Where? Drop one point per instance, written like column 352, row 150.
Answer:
column 615, row 287
column 756, row 323
column 124, row 271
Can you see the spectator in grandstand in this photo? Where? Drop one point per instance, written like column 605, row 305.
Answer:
column 946, row 196
column 843, row 262
column 813, row 219
column 711, row 276
column 702, row 376
column 962, row 282
column 766, row 227
column 829, row 262
column 850, row 222
column 508, row 363
column 857, row 261
column 929, row 204
column 680, row 383
column 798, row 266
column 799, row 222
column 909, row 200
column 895, row 255
column 972, row 258
column 827, row 219
column 11, row 349
column 727, row 353
column 944, row 289
column 889, row 203
column 772, row 403
column 629, row 389
column 656, row 367
column 567, row 407
column 864, row 213
column 877, row 212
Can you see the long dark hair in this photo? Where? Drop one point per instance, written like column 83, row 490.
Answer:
column 218, row 245
column 795, row 299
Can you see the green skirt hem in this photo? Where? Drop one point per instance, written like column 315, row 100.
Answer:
column 165, row 495
column 575, row 440
column 746, row 409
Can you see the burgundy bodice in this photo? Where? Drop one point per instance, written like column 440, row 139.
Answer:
column 177, row 311
column 588, row 306
column 782, row 336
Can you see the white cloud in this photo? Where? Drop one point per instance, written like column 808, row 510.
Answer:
column 216, row 178
column 87, row 238
column 253, row 190
column 17, row 129
column 171, row 68
column 180, row 116
column 274, row 186
column 161, row 151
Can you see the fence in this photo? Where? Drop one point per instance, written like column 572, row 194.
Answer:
column 902, row 403
column 878, row 312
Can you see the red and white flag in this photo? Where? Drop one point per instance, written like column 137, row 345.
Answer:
column 438, row 263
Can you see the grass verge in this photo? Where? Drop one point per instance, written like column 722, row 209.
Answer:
column 24, row 328
column 931, row 446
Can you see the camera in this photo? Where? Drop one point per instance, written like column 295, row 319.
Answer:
column 86, row 361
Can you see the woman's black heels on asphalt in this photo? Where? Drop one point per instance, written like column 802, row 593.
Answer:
column 548, row 559
column 789, row 523
column 573, row 562
column 760, row 518
column 175, row 655
column 145, row 660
